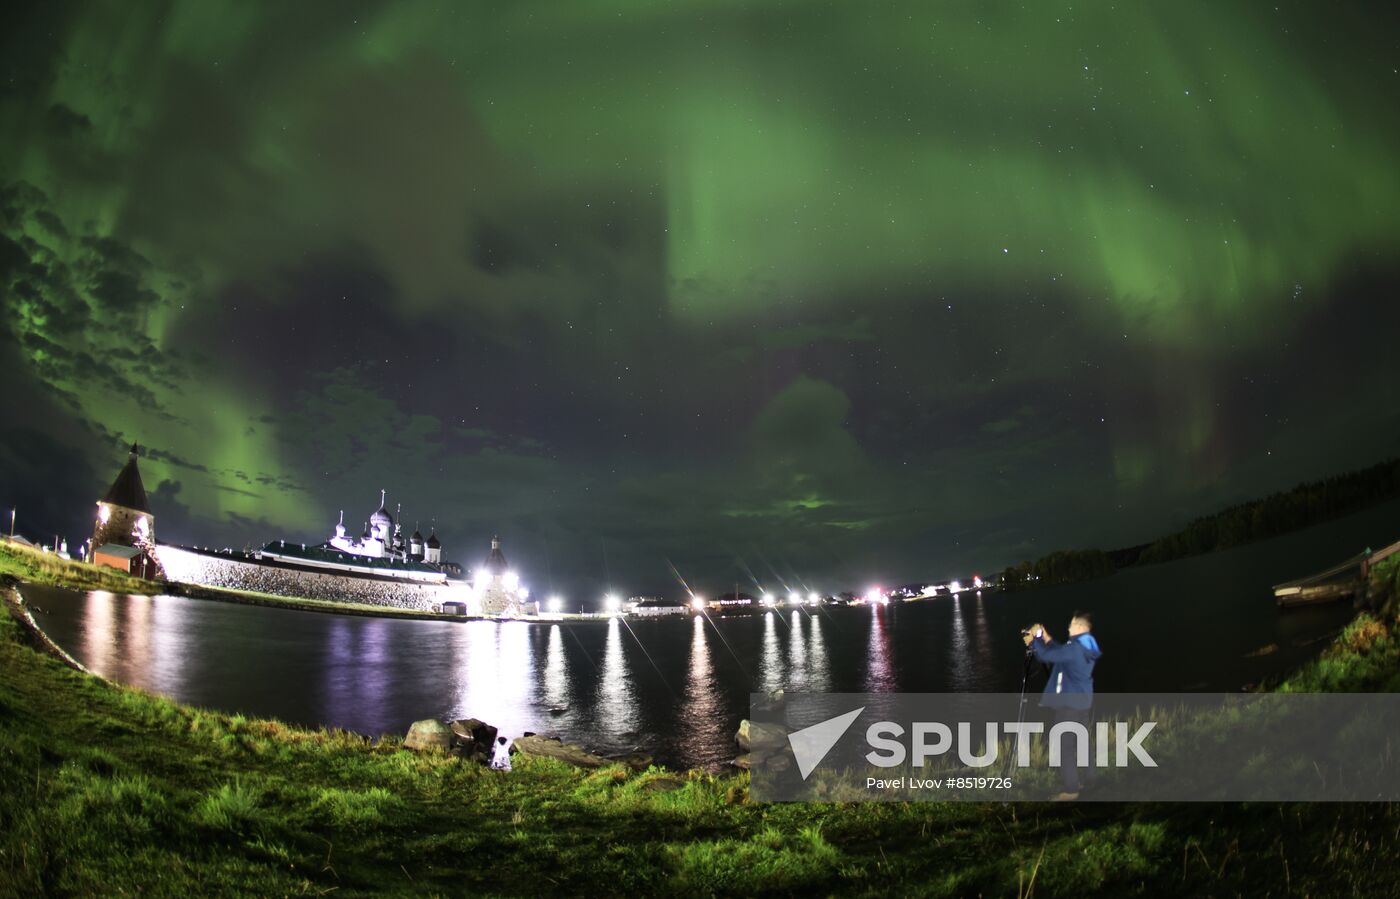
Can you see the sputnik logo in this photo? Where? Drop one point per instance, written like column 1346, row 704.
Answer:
column 811, row 744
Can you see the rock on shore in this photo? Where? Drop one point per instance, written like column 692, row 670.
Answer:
column 550, row 748
column 760, row 738
column 428, row 734
column 473, row 738
column 759, row 742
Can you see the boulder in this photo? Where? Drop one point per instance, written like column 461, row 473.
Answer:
column 746, row 761
column 766, row 739
column 637, row 761
column 428, row 734
column 473, row 738
column 760, row 738
column 547, row 747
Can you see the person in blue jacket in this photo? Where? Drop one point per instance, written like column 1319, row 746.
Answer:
column 1070, row 689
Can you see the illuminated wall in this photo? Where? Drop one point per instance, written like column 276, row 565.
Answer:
column 233, row 573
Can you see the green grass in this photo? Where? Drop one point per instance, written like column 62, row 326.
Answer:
column 1365, row 657
column 35, row 566
column 108, row 790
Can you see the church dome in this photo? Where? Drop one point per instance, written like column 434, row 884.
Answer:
column 433, row 542
column 381, row 517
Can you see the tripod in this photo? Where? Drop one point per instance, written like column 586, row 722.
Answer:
column 1020, row 707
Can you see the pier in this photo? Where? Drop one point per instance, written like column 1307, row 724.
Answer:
column 1342, row 581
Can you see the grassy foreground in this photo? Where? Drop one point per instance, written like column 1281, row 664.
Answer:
column 25, row 563
column 108, row 790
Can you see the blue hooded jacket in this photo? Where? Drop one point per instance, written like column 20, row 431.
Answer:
column 1071, row 684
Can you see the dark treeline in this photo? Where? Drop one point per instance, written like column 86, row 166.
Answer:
column 1061, row 567
column 1271, row 516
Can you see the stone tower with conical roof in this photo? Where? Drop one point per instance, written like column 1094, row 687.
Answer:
column 496, row 560
column 497, row 589
column 124, row 535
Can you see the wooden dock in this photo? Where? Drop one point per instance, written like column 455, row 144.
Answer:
column 1338, row 582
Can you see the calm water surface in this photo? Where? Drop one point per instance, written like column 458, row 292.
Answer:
column 677, row 688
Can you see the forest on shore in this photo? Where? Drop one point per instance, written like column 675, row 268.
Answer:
column 1279, row 513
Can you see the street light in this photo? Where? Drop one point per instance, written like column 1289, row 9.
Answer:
column 697, row 602
column 768, row 599
column 612, row 604
column 814, row 598
column 555, row 603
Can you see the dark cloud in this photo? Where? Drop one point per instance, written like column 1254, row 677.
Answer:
column 173, row 459
column 723, row 287
column 121, row 292
column 75, row 304
column 172, row 515
column 66, row 123
column 12, row 257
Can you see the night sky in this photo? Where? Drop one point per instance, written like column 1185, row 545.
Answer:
column 826, row 294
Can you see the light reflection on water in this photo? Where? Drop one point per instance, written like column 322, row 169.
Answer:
column 171, row 658
column 616, row 697
column 556, row 679
column 354, row 668
column 683, row 696
column 878, row 675
column 772, row 667
column 797, row 652
column 959, row 651
column 819, row 679
column 99, row 630
column 702, row 716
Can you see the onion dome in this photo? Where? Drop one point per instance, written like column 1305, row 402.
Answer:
column 382, row 517
column 416, row 537
column 433, row 542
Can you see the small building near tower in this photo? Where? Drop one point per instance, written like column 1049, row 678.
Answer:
column 124, row 535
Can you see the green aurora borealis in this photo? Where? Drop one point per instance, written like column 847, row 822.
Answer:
column 831, row 291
